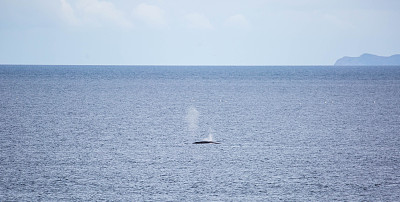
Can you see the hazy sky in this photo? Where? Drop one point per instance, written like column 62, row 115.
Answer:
column 196, row 32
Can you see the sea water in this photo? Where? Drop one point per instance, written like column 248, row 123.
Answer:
column 126, row 132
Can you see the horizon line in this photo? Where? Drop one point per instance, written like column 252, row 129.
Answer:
column 166, row 65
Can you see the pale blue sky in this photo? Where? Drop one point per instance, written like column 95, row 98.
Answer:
column 196, row 32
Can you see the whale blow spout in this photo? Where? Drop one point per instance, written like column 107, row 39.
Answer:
column 206, row 142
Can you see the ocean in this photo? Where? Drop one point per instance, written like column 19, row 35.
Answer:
column 126, row 133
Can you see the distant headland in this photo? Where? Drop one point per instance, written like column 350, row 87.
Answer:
column 368, row 59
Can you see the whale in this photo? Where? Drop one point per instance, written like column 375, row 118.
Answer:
column 206, row 142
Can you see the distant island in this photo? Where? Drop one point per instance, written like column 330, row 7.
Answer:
column 368, row 59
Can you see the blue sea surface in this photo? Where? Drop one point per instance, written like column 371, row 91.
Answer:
column 125, row 133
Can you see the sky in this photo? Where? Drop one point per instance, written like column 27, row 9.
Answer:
column 196, row 32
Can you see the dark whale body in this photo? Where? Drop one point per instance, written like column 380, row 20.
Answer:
column 206, row 142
